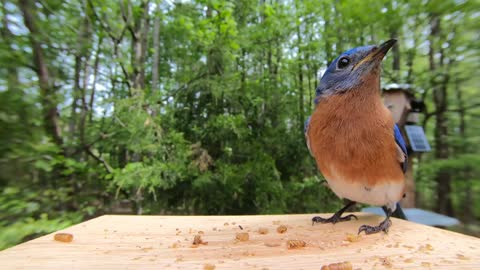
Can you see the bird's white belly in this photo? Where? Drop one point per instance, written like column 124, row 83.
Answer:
column 386, row 193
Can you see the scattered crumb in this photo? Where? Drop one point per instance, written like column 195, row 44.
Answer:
column 174, row 245
column 409, row 260
column 208, row 266
column 262, row 230
column 240, row 226
column 276, row 222
column 426, row 264
column 233, row 223
column 147, row 248
column 338, row 266
column 462, row 257
column 179, row 259
column 214, row 228
column 242, row 236
column 246, row 253
column 292, row 244
column 136, row 258
column 353, row 238
column 272, row 244
column 201, row 232
column 386, row 262
column 281, row 229
column 197, row 240
column 225, row 224
column 425, row 248
column 63, row 237
column 409, row 247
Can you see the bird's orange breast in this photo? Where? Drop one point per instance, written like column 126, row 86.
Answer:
column 351, row 136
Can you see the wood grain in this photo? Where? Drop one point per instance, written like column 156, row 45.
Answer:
column 165, row 242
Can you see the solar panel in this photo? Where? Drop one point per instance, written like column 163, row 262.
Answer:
column 417, row 139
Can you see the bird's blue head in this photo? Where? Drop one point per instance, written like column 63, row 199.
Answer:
column 352, row 68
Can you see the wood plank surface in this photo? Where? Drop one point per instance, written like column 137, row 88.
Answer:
column 165, row 242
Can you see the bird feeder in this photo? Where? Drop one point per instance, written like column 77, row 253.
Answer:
column 406, row 109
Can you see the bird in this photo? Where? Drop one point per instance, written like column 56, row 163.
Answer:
column 353, row 138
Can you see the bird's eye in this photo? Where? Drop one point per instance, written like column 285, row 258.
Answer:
column 343, row 62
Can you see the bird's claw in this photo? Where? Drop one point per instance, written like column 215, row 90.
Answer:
column 384, row 226
column 333, row 219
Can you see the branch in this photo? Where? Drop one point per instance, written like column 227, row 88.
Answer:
column 105, row 25
column 107, row 167
column 127, row 19
column 125, row 73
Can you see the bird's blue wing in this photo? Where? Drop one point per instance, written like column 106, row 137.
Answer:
column 305, row 131
column 401, row 144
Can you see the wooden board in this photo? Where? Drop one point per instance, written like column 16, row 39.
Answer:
column 165, row 242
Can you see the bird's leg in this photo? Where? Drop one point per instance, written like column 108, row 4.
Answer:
column 337, row 217
column 383, row 226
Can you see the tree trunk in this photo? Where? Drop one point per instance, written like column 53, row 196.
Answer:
column 396, row 57
column 138, row 26
column 439, row 85
column 47, row 91
column 12, row 73
column 301, row 98
column 156, row 48
column 94, row 80
column 468, row 200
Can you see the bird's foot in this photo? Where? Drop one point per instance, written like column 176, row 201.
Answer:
column 383, row 226
column 333, row 219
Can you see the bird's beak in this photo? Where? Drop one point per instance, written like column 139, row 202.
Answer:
column 377, row 54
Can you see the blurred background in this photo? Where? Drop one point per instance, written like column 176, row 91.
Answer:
column 197, row 107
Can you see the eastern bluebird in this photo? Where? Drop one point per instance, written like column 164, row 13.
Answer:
column 354, row 139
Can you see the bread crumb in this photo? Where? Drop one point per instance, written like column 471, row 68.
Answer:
column 197, row 240
column 426, row 264
column 281, row 229
column 338, row 266
column 409, row 260
column 353, row 238
column 425, row 248
column 201, row 232
column 209, row 266
column 225, row 224
column 386, row 262
column 63, row 237
column 262, row 230
column 292, row 244
column 242, row 236
column 462, row 257
column 247, row 253
column 276, row 222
